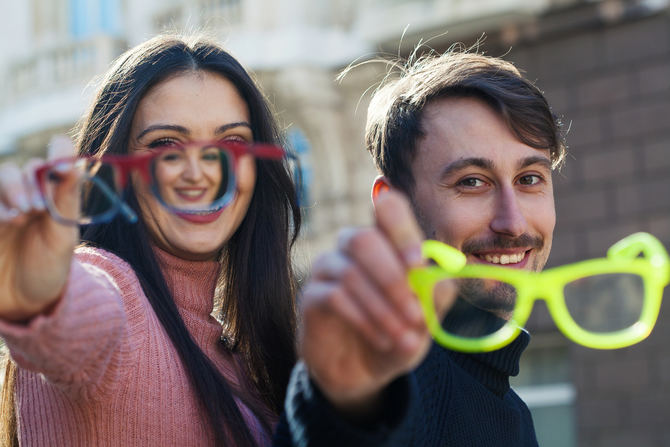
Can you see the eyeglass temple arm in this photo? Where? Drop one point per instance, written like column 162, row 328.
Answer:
column 126, row 210
column 266, row 151
column 650, row 247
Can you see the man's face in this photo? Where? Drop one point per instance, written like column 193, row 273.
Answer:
column 481, row 190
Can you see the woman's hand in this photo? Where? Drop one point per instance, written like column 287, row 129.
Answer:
column 35, row 250
column 362, row 325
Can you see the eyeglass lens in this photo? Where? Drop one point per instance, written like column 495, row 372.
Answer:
column 605, row 303
column 599, row 304
column 194, row 180
column 480, row 309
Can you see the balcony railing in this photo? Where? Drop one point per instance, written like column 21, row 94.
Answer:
column 54, row 69
column 380, row 20
column 214, row 15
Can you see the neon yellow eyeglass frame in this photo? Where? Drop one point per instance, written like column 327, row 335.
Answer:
column 653, row 266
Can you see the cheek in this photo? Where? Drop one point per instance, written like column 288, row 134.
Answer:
column 213, row 173
column 442, row 217
column 165, row 178
column 460, row 222
column 246, row 174
column 151, row 210
column 542, row 214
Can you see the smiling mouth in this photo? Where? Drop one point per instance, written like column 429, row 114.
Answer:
column 502, row 258
column 191, row 195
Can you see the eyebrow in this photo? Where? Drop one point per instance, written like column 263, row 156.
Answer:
column 185, row 131
column 463, row 163
column 536, row 160
column 488, row 164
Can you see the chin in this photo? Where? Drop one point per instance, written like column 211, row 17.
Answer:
column 202, row 251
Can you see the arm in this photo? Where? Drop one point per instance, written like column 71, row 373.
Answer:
column 310, row 419
column 35, row 250
column 73, row 344
column 59, row 316
column 362, row 330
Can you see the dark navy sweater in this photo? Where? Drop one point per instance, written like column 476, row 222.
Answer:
column 451, row 399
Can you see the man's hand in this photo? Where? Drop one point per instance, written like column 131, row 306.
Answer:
column 362, row 325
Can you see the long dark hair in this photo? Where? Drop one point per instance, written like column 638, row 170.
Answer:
column 258, row 294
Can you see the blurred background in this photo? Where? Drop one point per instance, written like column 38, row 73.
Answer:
column 603, row 64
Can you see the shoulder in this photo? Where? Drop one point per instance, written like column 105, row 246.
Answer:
column 116, row 269
column 102, row 259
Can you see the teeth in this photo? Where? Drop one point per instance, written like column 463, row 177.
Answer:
column 504, row 259
column 190, row 193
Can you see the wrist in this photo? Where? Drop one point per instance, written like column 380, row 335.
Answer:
column 354, row 405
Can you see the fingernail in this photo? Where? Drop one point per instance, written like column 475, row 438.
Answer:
column 63, row 167
column 413, row 256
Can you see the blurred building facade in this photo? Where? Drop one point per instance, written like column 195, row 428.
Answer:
column 603, row 64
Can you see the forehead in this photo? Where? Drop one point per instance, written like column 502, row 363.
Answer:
column 193, row 97
column 459, row 128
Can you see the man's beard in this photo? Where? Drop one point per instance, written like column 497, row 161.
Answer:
column 490, row 295
column 498, row 298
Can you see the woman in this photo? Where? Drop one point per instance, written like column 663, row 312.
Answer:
column 113, row 343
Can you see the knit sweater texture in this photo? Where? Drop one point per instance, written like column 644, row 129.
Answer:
column 100, row 370
column 451, row 399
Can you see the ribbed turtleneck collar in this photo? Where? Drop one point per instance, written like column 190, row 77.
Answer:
column 493, row 369
column 192, row 283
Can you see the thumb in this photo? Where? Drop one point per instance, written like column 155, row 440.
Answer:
column 396, row 219
column 60, row 146
column 63, row 185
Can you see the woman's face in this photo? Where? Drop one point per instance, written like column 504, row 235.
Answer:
column 192, row 107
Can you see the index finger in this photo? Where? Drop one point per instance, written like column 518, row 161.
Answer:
column 397, row 221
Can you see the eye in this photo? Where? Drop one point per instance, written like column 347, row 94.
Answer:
column 471, row 182
column 163, row 142
column 171, row 155
column 211, row 155
column 529, row 180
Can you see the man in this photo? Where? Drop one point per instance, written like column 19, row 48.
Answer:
column 472, row 145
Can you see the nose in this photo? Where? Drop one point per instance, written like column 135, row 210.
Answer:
column 508, row 218
column 192, row 169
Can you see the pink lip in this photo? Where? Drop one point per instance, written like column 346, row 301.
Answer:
column 475, row 259
column 200, row 218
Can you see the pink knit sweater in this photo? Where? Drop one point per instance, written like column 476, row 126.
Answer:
column 99, row 369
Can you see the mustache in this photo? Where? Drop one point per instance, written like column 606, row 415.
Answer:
column 501, row 242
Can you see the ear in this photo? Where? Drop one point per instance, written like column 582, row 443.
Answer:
column 380, row 185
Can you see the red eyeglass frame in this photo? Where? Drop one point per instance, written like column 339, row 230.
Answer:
column 125, row 164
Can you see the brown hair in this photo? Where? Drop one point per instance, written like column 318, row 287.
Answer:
column 394, row 115
column 8, row 429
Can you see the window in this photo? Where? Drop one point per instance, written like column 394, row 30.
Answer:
column 544, row 383
column 91, row 17
column 303, row 171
